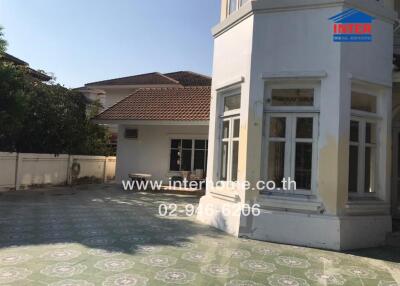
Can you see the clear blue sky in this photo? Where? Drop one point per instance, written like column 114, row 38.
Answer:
column 82, row 41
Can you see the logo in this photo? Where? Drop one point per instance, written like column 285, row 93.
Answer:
column 352, row 26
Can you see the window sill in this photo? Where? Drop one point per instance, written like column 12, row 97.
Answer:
column 288, row 203
column 230, row 195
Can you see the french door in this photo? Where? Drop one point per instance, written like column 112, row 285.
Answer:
column 290, row 149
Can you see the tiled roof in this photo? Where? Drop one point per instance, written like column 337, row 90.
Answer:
column 142, row 79
column 34, row 73
column 183, row 78
column 174, row 104
column 187, row 78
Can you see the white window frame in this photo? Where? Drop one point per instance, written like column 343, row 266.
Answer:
column 239, row 3
column 290, row 141
column 230, row 140
column 363, row 117
column 292, row 85
column 292, row 113
column 192, row 153
column 230, row 116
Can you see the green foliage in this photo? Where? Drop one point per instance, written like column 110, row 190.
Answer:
column 3, row 43
column 42, row 118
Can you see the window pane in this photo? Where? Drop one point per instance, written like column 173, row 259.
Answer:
column 225, row 129
column 354, row 129
column 175, row 143
column 200, row 144
column 292, row 97
column 369, row 170
column 303, row 165
column 186, row 160
column 224, row 161
column 277, row 127
column 187, row 144
column 174, row 161
column 232, row 102
column 363, row 102
column 304, row 128
column 235, row 159
column 236, row 128
column 232, row 6
column 276, row 162
column 370, row 133
column 199, row 160
column 353, row 169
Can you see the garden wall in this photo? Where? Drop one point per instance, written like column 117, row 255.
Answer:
column 20, row 171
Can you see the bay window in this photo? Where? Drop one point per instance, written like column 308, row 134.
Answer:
column 363, row 145
column 291, row 135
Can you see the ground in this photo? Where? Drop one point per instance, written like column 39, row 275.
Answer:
column 100, row 235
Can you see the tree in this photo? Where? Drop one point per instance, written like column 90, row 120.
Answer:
column 46, row 118
column 3, row 42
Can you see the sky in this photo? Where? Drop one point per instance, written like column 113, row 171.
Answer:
column 82, row 41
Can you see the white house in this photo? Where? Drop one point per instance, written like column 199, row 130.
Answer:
column 109, row 92
column 162, row 123
column 287, row 101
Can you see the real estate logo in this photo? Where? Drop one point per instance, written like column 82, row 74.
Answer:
column 352, row 26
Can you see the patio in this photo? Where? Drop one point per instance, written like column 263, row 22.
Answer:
column 100, row 235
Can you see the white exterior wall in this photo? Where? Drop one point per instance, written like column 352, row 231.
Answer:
column 293, row 41
column 150, row 153
column 232, row 58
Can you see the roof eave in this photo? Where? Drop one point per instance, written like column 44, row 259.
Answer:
column 152, row 122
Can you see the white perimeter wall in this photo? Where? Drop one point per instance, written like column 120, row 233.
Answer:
column 24, row 170
column 150, row 153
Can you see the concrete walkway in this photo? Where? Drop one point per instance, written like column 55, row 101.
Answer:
column 100, row 235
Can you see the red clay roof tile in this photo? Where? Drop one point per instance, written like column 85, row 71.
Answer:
column 174, row 104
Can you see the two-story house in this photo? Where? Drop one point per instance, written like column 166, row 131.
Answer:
column 306, row 90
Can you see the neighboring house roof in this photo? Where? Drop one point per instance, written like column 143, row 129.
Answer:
column 172, row 104
column 182, row 78
column 142, row 79
column 188, row 78
column 34, row 73
column 14, row 60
